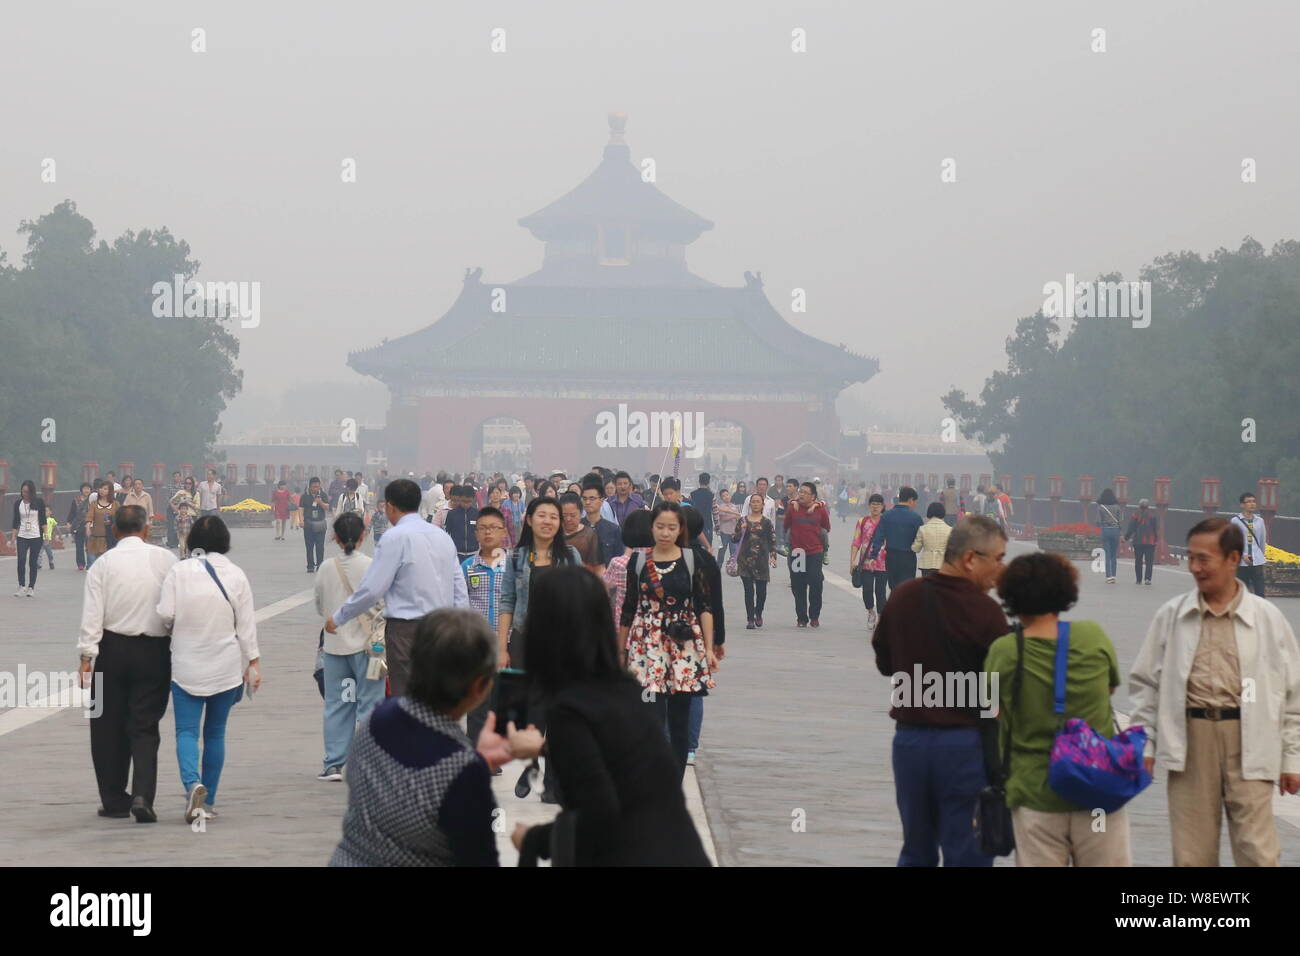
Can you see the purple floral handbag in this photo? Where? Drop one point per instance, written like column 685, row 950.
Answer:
column 1086, row 768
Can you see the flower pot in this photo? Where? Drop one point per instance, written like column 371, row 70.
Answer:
column 1075, row 547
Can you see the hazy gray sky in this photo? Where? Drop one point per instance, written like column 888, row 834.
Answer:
column 819, row 169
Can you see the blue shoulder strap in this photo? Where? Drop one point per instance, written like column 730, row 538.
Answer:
column 1062, row 656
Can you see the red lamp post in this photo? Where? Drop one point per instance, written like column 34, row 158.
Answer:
column 90, row 472
column 1030, row 532
column 159, row 474
column 1162, row 507
column 125, row 469
column 986, row 480
column 284, row 472
column 1266, row 496
column 49, row 479
column 1210, row 496
column 1121, row 495
column 1055, row 485
column 933, row 481
column 297, row 472
column 187, row 469
column 232, row 473
column 964, row 485
column 1086, row 495
column 250, row 474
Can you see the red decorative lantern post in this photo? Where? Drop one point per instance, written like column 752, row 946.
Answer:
column 284, row 472
column 986, row 480
column 232, row 474
column 125, row 470
column 250, row 474
column 297, row 472
column 964, row 485
column 187, row 470
column 1030, row 532
column 932, row 479
column 1086, row 494
column 1210, row 496
column 159, row 474
column 1162, row 507
column 5, row 546
column 1121, row 495
column 1266, row 496
column 49, row 480
column 90, row 472
column 1055, row 485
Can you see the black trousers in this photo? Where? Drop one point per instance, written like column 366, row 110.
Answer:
column 173, row 538
column 29, row 559
column 900, row 566
column 315, row 542
column 133, row 675
column 674, row 711
column 807, row 586
column 1251, row 575
column 873, row 589
column 755, row 597
column 399, row 638
column 1144, row 553
column 80, row 537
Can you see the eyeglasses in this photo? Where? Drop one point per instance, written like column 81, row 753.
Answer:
column 996, row 557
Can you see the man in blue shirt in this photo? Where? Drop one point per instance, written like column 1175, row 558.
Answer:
column 624, row 502
column 415, row 571
column 896, row 532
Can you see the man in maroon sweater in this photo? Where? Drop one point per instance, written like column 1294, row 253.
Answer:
column 805, row 519
column 938, row 757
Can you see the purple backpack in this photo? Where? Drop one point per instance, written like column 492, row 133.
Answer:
column 1086, row 768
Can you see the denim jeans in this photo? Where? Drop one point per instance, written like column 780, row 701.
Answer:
column 697, row 723
column 315, row 543
column 349, row 698
column 1110, row 544
column 938, row 774
column 188, row 710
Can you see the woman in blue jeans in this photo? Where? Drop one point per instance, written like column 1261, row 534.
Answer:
column 1109, row 515
column 207, row 604
column 350, row 695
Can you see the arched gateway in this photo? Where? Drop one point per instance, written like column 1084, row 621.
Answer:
column 626, row 333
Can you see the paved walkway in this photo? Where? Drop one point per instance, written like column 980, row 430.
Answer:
column 793, row 768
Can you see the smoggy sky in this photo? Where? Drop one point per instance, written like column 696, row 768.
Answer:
column 820, row 169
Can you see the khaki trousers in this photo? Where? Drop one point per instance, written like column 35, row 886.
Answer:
column 1211, row 783
column 1054, row 839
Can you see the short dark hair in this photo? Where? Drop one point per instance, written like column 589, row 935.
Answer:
column 1043, row 582
column 84, row 485
column 936, row 510
column 313, row 480
column 131, row 519
column 757, row 480
column 876, row 497
column 569, row 498
column 951, row 482
column 670, row 483
column 403, row 494
column 694, row 524
column 1244, row 496
column 1230, row 537
column 453, row 648
column 811, row 487
column 571, row 636
column 907, row 493
column 351, row 484
column 593, row 483
column 636, row 530
column 208, row 533
column 514, row 492
column 622, row 474
column 704, row 478
column 491, row 512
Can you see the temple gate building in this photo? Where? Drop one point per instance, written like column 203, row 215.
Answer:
column 613, row 331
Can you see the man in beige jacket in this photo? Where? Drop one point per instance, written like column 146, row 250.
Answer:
column 1217, row 686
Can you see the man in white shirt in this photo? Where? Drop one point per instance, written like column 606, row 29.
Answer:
column 1253, row 532
column 1217, row 687
column 210, row 493
column 125, row 645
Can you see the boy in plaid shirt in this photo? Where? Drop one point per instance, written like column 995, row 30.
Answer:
column 484, row 573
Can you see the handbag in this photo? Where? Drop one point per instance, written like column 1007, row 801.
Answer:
column 856, row 576
column 378, row 627
column 1086, row 768
column 733, row 562
column 991, row 820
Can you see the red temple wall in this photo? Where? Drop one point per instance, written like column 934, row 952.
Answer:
column 441, row 432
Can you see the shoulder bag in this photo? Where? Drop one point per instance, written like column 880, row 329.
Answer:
column 378, row 626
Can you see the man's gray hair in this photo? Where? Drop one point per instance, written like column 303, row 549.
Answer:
column 453, row 648
column 972, row 533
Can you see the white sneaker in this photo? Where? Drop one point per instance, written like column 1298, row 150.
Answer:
column 194, row 803
column 871, row 618
column 21, row 592
column 31, row 592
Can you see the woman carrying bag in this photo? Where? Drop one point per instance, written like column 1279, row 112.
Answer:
column 1051, row 830
column 754, row 559
column 353, row 674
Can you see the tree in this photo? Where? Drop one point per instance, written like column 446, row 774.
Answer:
column 83, row 348
column 1180, row 398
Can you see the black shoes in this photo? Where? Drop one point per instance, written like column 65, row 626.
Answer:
column 142, row 812
column 750, row 625
column 525, row 785
column 115, row 814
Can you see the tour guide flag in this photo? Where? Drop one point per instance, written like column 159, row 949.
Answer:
column 677, row 446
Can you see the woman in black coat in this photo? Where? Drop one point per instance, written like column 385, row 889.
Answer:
column 620, row 790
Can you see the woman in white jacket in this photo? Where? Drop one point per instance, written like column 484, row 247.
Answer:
column 207, row 603
column 932, row 539
column 350, row 695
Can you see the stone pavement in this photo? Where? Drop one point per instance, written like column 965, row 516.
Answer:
column 796, row 732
